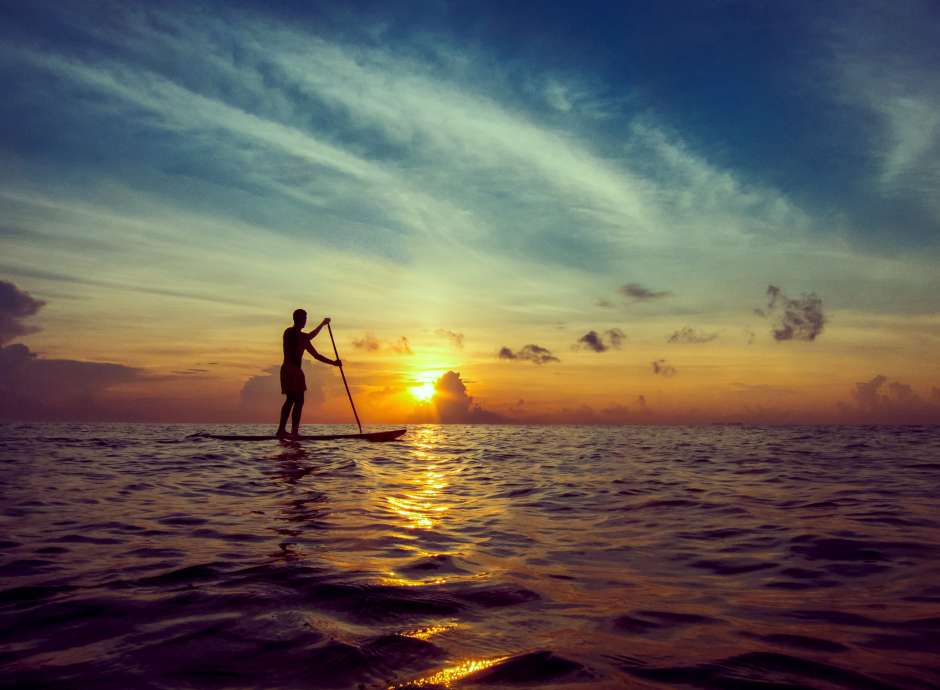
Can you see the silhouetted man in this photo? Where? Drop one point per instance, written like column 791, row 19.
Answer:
column 293, row 383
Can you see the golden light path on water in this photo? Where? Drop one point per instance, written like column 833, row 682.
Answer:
column 422, row 508
column 445, row 677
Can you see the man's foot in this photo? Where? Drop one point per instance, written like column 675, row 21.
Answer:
column 294, row 433
column 281, row 433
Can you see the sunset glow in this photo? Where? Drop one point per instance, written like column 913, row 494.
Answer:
column 577, row 243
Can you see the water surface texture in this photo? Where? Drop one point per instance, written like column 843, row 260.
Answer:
column 490, row 556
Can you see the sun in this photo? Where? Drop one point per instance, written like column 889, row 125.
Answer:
column 424, row 392
column 425, row 389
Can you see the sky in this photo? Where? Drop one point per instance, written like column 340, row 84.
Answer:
column 606, row 213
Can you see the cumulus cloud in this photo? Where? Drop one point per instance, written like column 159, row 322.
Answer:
column 452, row 404
column 604, row 303
column 638, row 293
column 529, row 353
column 690, row 336
column 611, row 339
column 367, row 342
column 881, row 401
column 16, row 305
column 663, row 368
column 799, row 318
column 401, row 346
column 456, row 339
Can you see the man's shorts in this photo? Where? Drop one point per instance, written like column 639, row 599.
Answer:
column 292, row 379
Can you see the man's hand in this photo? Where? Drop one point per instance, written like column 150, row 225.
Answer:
column 337, row 363
column 326, row 320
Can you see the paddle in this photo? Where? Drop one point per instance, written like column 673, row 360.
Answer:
column 336, row 353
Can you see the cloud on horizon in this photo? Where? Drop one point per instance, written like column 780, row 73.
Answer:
column 881, row 401
column 452, row 404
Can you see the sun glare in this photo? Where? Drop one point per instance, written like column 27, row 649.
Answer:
column 424, row 392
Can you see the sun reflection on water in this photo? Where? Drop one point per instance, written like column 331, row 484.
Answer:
column 445, row 677
column 429, row 631
column 422, row 507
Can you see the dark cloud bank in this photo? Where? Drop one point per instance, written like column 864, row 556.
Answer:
column 33, row 387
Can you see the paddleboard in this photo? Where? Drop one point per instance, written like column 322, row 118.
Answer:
column 374, row 437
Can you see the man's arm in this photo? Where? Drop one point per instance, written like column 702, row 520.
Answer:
column 313, row 334
column 321, row 358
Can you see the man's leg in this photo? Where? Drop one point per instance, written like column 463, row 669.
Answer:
column 285, row 410
column 295, row 417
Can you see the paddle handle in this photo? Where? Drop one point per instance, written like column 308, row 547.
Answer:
column 351, row 403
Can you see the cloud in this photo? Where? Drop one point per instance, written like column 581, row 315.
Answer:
column 881, row 401
column 604, row 303
column 452, row 404
column 664, row 368
column 367, row 342
column 456, row 339
column 529, row 353
column 612, row 339
column 801, row 318
column 16, row 305
column 638, row 293
column 401, row 346
column 690, row 336
column 32, row 387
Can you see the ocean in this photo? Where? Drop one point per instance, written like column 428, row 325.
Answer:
column 726, row 557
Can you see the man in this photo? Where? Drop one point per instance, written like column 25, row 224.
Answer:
column 293, row 383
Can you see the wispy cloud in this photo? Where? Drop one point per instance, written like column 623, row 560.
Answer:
column 456, row 339
column 663, row 368
column 367, row 342
column 690, row 336
column 638, row 293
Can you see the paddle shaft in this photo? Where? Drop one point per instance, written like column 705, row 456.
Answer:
column 351, row 403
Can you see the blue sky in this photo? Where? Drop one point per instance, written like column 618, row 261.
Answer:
column 498, row 169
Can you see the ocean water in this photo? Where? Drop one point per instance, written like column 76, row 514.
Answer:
column 724, row 557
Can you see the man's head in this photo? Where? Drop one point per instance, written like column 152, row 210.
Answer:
column 300, row 318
